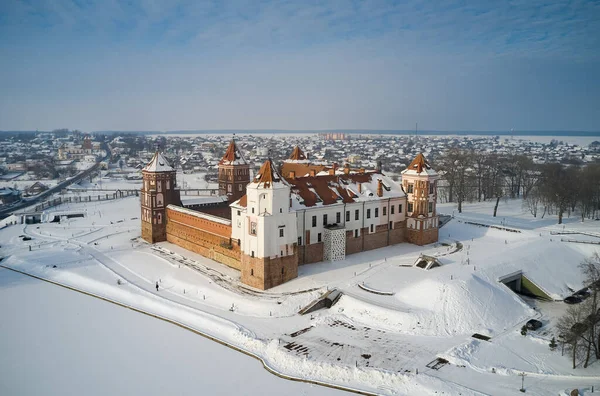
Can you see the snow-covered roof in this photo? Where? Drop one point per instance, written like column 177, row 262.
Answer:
column 342, row 187
column 158, row 164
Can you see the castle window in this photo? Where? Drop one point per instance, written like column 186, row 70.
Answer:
column 281, row 270
column 251, row 271
column 253, row 228
column 371, row 227
column 229, row 188
column 314, row 221
column 400, row 209
column 168, row 184
column 392, row 209
column 430, row 207
column 280, row 210
column 252, row 210
column 409, row 189
column 281, row 233
column 355, row 233
column 240, row 187
column 356, row 214
column 338, row 217
column 390, row 226
column 376, row 212
column 239, row 213
column 252, row 255
column 347, row 215
column 159, row 185
column 410, row 207
column 325, row 219
column 430, row 187
column 319, row 237
column 368, row 213
column 299, row 241
column 281, row 253
column 384, row 210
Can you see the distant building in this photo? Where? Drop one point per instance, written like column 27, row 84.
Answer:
column 9, row 195
column 36, row 188
column 280, row 222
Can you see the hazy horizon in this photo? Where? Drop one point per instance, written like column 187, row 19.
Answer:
column 372, row 65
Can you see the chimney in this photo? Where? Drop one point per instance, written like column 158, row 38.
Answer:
column 292, row 175
column 361, row 171
column 346, row 169
column 379, row 188
column 360, row 188
column 312, row 173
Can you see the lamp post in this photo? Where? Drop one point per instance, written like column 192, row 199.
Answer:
column 522, row 375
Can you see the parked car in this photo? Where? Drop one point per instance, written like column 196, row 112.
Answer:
column 573, row 300
column 583, row 294
column 533, row 324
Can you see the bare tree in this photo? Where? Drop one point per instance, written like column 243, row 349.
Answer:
column 571, row 329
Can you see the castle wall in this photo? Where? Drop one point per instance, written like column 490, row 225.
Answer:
column 207, row 238
column 375, row 240
column 422, row 237
column 265, row 273
column 312, row 253
column 353, row 245
column 398, row 233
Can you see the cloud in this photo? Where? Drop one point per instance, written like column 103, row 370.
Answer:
column 561, row 27
column 187, row 64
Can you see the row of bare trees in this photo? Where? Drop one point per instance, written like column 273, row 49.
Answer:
column 579, row 328
column 469, row 176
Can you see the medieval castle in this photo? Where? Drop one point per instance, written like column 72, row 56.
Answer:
column 301, row 213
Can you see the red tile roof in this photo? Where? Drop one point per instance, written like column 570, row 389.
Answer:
column 233, row 155
column 267, row 175
column 419, row 164
column 327, row 189
column 297, row 154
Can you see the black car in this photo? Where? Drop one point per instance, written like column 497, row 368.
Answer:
column 573, row 300
column 583, row 294
column 533, row 324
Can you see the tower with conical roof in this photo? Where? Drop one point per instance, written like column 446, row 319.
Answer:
column 265, row 225
column 419, row 181
column 159, row 189
column 234, row 173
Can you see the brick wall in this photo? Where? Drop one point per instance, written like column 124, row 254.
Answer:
column 265, row 273
column 398, row 233
column 353, row 245
column 200, row 236
column 375, row 240
column 212, row 227
column 422, row 237
column 312, row 253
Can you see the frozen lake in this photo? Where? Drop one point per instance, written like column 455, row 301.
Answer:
column 56, row 342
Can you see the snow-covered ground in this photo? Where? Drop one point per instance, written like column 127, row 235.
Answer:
column 57, row 342
column 367, row 341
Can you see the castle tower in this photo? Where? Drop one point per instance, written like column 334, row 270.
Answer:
column 267, row 230
column 234, row 173
column 159, row 189
column 419, row 181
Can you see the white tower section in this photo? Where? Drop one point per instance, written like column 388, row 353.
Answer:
column 266, row 226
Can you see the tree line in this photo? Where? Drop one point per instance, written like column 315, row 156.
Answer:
column 579, row 327
column 550, row 188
